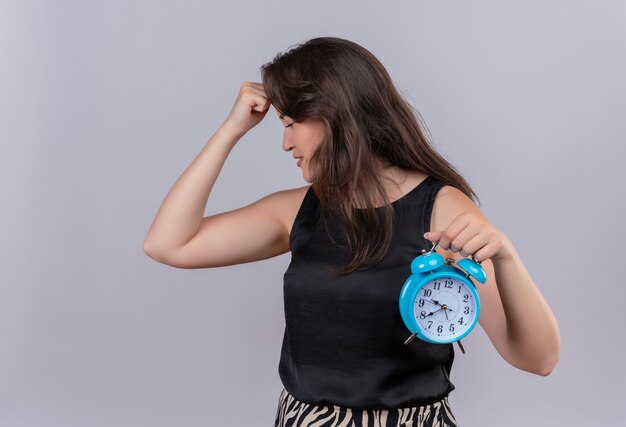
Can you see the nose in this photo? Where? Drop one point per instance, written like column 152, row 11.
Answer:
column 287, row 145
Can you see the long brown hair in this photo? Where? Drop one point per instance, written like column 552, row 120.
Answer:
column 367, row 124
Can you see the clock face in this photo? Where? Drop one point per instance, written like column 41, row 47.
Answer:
column 445, row 308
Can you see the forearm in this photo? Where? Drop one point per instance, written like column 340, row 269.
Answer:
column 532, row 330
column 181, row 212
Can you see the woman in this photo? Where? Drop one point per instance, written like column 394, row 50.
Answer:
column 376, row 186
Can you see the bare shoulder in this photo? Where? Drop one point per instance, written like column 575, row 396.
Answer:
column 449, row 203
column 287, row 203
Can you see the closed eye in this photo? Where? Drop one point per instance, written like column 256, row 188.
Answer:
column 289, row 125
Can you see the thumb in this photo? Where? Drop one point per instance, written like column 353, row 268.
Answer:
column 262, row 107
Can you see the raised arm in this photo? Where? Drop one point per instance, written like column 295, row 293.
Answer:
column 182, row 237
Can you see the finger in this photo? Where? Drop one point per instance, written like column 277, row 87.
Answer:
column 262, row 106
column 432, row 236
column 461, row 240
column 256, row 90
column 252, row 87
column 453, row 230
column 255, row 84
column 251, row 91
column 256, row 102
column 484, row 253
column 249, row 83
column 479, row 246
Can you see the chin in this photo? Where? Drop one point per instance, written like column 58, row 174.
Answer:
column 306, row 174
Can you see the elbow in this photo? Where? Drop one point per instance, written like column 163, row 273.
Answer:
column 542, row 370
column 542, row 358
column 549, row 366
column 545, row 366
column 542, row 363
column 162, row 257
column 552, row 358
column 153, row 253
column 148, row 251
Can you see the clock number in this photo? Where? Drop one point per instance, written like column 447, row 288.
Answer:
column 437, row 286
column 430, row 323
column 423, row 315
column 460, row 286
column 427, row 292
column 461, row 321
column 449, row 284
column 465, row 298
column 421, row 303
column 466, row 311
column 440, row 328
column 451, row 327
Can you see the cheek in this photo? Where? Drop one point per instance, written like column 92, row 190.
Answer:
column 314, row 142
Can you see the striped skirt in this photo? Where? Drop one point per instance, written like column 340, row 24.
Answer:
column 294, row 413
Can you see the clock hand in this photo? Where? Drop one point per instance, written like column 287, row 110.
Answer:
column 433, row 312
column 443, row 306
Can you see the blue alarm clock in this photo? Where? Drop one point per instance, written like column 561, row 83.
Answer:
column 439, row 302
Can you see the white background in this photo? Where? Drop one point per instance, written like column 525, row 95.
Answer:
column 104, row 104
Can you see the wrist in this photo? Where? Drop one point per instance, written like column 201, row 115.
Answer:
column 229, row 131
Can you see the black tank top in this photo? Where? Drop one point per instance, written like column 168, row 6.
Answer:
column 344, row 338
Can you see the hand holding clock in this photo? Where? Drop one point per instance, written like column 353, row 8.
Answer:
column 516, row 307
column 471, row 235
column 435, row 280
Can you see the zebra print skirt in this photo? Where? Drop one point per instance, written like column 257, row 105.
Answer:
column 294, row 413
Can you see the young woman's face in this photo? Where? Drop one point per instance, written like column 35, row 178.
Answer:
column 302, row 139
